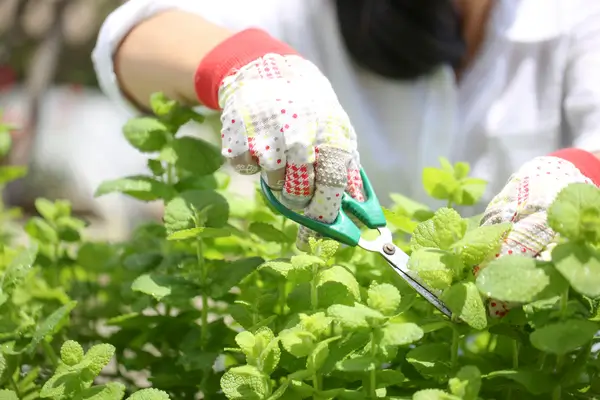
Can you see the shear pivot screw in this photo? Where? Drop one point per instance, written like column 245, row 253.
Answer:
column 389, row 249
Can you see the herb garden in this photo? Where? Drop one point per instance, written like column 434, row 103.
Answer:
column 216, row 302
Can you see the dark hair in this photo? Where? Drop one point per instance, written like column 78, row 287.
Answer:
column 401, row 39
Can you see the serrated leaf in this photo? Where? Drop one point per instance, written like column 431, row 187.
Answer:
column 575, row 213
column 325, row 249
column 355, row 317
column 146, row 134
column 512, row 278
column 434, row 394
column 383, row 297
column 279, row 267
column 400, row 334
column 438, row 183
column 71, row 352
column 580, row 265
column 6, row 394
column 563, row 337
column 145, row 188
column 297, row 342
column 357, row 364
column 337, row 285
column 430, row 359
column 401, row 222
column 199, row 232
column 306, row 261
column 108, row 391
column 149, row 394
column 182, row 211
column 227, row 274
column 196, row 156
column 49, row 325
column 317, row 357
column 480, row 243
column 245, row 383
column 469, row 192
column 436, row 268
column 440, row 232
column 464, row 300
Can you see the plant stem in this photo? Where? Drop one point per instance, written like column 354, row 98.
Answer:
column 449, row 204
column 515, row 354
column 50, row 353
column 282, row 297
column 314, row 295
column 454, row 348
column 14, row 386
column 204, row 311
column 170, row 177
column 373, row 372
column 564, row 300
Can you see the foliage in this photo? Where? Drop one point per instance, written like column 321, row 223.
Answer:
column 216, row 299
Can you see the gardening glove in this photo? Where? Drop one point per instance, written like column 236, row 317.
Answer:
column 525, row 200
column 281, row 117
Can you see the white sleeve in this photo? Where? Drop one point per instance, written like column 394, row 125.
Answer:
column 581, row 103
column 269, row 15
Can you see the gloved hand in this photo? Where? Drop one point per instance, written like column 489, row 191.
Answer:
column 525, row 200
column 281, row 116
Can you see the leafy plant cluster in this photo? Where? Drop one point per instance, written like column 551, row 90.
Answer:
column 217, row 302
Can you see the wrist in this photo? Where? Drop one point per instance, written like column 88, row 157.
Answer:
column 228, row 57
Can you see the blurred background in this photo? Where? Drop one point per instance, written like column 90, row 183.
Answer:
column 69, row 134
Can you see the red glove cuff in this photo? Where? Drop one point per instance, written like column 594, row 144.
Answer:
column 230, row 55
column 585, row 162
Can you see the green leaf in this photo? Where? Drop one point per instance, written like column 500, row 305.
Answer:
column 196, row 156
column 48, row 327
column 464, row 301
column 536, row 382
column 149, row 394
column 245, row 383
column 317, row 358
column 433, row 394
column 436, row 268
column 160, row 286
column 441, row 231
column 430, row 359
column 357, row 364
column 19, row 267
column 146, row 134
column 297, row 342
column 278, row 267
column 563, row 337
column 337, row 285
column 580, row 265
column 41, row 230
column 383, row 297
column 469, row 192
column 461, row 170
column 269, row 233
column 199, row 232
column 575, row 213
column 401, row 222
column 438, row 183
column 400, row 334
column 182, row 211
column 512, row 278
column 140, row 187
column 325, row 249
column 306, row 261
column 317, row 323
column 406, row 206
column 156, row 167
column 71, row 352
column 481, row 244
column 94, row 361
column 108, row 391
column 11, row 173
column 171, row 111
column 6, row 394
column 262, row 351
column 355, row 317
column 226, row 274
column 467, row 383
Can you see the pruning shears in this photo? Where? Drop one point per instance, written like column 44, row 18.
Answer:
column 345, row 231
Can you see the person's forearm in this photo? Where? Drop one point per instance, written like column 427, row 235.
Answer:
column 163, row 53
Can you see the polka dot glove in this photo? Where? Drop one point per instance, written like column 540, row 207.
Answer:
column 281, row 117
column 525, row 200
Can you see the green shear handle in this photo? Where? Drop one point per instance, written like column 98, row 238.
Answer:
column 343, row 229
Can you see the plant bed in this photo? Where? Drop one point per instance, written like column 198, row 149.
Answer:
column 216, row 302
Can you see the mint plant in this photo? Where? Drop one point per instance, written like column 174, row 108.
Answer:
column 215, row 301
